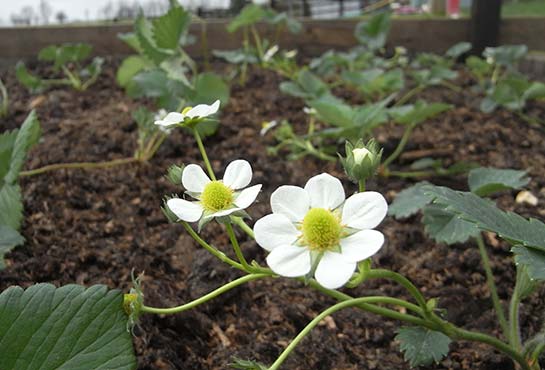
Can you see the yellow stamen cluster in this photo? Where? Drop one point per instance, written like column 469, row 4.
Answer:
column 216, row 196
column 321, row 230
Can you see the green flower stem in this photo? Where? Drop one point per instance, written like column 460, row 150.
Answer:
column 400, row 146
column 204, row 298
column 220, row 255
column 451, row 86
column 492, row 286
column 81, row 165
column 415, row 90
column 244, row 226
column 514, row 331
column 204, row 155
column 361, row 185
column 402, row 280
column 359, row 302
column 236, row 247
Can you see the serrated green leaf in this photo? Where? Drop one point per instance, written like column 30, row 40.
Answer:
column 506, row 55
column 333, row 111
column 422, row 346
column 169, row 28
column 7, row 141
column 27, row 136
column 176, row 69
column 31, row 82
column 249, row 15
column 373, row 33
column 410, row 201
column 237, row 56
column 9, row 238
column 131, row 39
column 144, row 33
column 70, row 327
column 446, row 227
column 509, row 226
column 209, row 87
column 485, row 181
column 11, row 206
column 534, row 261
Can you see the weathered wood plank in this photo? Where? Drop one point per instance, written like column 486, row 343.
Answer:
column 434, row 35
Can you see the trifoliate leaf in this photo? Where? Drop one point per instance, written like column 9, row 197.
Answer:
column 71, row 327
column 422, row 346
column 410, row 201
column 169, row 28
column 484, row 181
column 65, row 53
column 534, row 261
column 9, row 238
column 447, row 227
column 508, row 225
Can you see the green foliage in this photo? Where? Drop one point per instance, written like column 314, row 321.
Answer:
column 534, row 261
column 248, row 16
column 375, row 82
column 422, row 346
column 457, row 50
column 71, row 327
column 512, row 92
column 410, row 201
column 508, row 225
column 434, row 76
column 506, row 55
column 445, row 227
column 65, row 57
column 238, row 56
column 130, row 67
column 4, row 100
column 373, row 33
column 486, row 181
column 60, row 55
column 169, row 28
column 32, row 83
column 418, row 113
column 14, row 146
column 306, row 85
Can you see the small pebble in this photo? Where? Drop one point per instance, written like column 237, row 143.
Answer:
column 526, row 197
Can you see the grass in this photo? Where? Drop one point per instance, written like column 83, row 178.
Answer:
column 533, row 8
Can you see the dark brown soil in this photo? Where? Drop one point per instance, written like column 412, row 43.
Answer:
column 95, row 226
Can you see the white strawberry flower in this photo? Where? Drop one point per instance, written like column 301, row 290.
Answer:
column 190, row 115
column 314, row 230
column 215, row 198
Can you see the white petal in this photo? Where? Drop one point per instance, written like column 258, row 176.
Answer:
column 325, row 191
column 290, row 201
column 225, row 212
column 334, row 271
column 364, row 210
column 186, row 211
column 203, row 110
column 361, row 245
column 247, row 196
column 194, row 179
column 289, row 260
column 274, row 230
column 238, row 174
column 171, row 119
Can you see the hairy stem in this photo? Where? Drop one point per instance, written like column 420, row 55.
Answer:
column 204, row 298
column 492, row 286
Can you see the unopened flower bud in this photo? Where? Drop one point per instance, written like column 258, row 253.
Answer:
column 174, row 174
column 361, row 161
